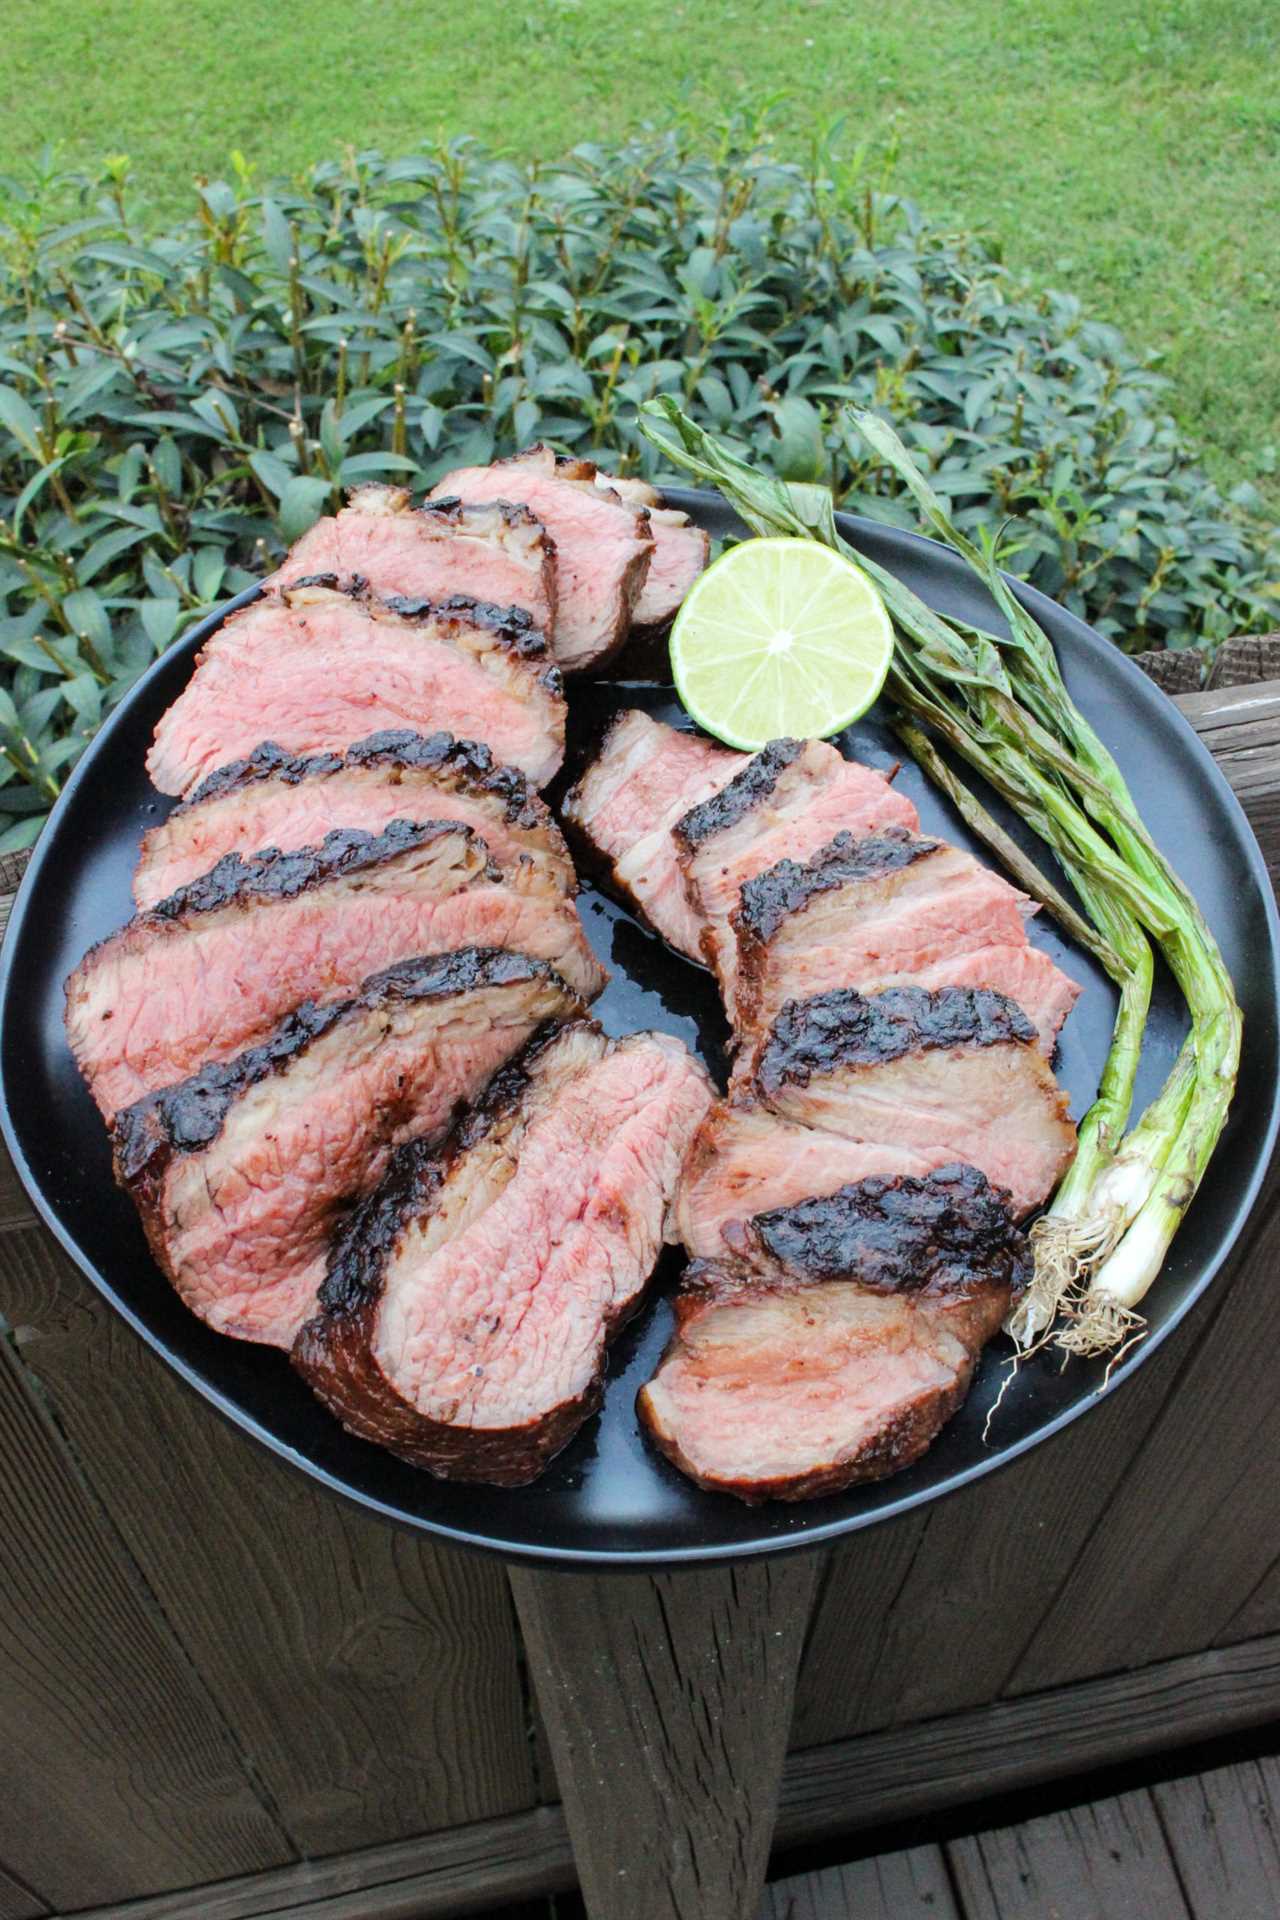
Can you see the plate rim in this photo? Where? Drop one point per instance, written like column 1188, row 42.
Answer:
column 1149, row 698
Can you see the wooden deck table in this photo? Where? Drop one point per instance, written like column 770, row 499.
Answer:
column 225, row 1695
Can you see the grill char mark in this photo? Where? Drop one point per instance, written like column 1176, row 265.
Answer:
column 847, row 1028
column 272, row 875
column 773, row 896
column 747, row 790
column 470, row 762
column 948, row 1232
column 189, row 1116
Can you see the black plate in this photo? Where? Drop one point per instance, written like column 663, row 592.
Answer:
column 609, row 1498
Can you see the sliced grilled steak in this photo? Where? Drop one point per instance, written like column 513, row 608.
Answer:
column 494, row 552
column 835, row 1348
column 211, row 970
column 645, row 776
column 953, row 1074
column 602, row 546
column 679, row 555
column 790, row 800
column 885, row 910
column 744, row 1159
column 319, row 666
column 241, row 1172
column 465, row 1316
column 276, row 799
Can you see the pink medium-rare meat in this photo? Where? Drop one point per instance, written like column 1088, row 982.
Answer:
column 744, row 1160
column 213, row 968
column 643, row 778
column 315, row 668
column 494, row 552
column 679, row 555
column 242, row 1172
column 602, row 546
column 834, row 1347
column 464, row 1320
column 884, row 910
column 953, row 1074
column 792, row 798
column 276, row 799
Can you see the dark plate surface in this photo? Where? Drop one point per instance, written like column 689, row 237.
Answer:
column 608, row 1498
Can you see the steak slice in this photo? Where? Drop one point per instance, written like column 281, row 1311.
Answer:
column 242, row 1172
column 680, row 552
column 744, row 1159
column 644, row 777
column 790, row 800
column 211, row 970
column 276, row 799
column 317, row 666
column 954, row 1073
column 602, row 546
column 465, row 1316
column 494, row 552
column 885, row 910
column 834, row 1349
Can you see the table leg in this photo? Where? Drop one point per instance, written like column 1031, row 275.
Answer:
column 667, row 1699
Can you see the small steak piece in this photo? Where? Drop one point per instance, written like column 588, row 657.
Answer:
column 744, row 1159
column 213, row 968
column 318, row 666
column 464, row 1320
column 602, row 546
column 955, row 1074
column 494, row 552
column 790, row 800
column 834, row 1349
column 644, row 777
column 276, row 799
column 242, row 1172
column 680, row 552
column 885, row 910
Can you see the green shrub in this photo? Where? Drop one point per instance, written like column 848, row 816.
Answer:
column 176, row 405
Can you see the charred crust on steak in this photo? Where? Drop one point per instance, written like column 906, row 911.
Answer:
column 949, row 1231
column 845, row 1028
column 416, row 1172
column 188, row 1116
column 451, row 507
column 470, row 763
column 773, row 896
column 745, row 791
column 513, row 627
column 273, row 875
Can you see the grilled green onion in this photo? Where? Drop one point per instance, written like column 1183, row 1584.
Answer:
column 1000, row 704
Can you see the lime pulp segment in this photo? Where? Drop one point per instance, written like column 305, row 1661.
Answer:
column 780, row 636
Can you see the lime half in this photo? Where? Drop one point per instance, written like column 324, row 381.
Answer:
column 780, row 637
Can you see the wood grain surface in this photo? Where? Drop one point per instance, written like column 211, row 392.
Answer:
column 310, row 1623
column 667, row 1701
column 1109, row 1861
column 121, row 1773
column 1223, row 1830
column 912, row 1885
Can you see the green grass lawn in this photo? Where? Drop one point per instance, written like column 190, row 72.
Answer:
column 1128, row 152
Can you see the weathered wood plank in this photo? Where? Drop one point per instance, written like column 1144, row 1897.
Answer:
column 120, row 1774
column 471, row 1869
column 827, row 1792
column 945, row 1628
column 911, row 1885
column 1090, row 1863
column 373, row 1676
column 667, row 1701
column 18, row 1902
column 1260, row 1613
column 1241, row 728
column 1192, row 1528
column 1223, row 1830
